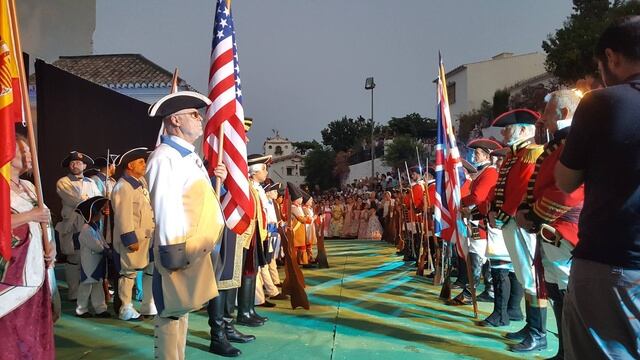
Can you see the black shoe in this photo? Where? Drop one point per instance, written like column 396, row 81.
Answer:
column 104, row 315
column 233, row 335
column 267, row 304
column 85, row 315
column 530, row 343
column 220, row 345
column 488, row 323
column 485, row 297
column 280, row 296
column 248, row 321
column 518, row 335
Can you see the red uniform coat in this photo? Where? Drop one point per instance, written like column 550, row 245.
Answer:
column 548, row 204
column 479, row 191
column 513, row 179
column 415, row 199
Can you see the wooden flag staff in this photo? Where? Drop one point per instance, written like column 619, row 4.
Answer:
column 30, row 132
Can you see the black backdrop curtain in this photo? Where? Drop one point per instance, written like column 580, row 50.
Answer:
column 76, row 114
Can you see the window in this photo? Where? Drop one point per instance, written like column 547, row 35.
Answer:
column 303, row 172
column 278, row 150
column 451, row 93
column 290, row 170
column 270, row 147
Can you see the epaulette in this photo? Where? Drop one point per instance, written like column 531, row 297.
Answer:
column 532, row 153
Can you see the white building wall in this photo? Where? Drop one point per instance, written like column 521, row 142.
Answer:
column 461, row 105
column 278, row 171
column 363, row 169
column 484, row 78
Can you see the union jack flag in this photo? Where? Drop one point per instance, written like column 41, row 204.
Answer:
column 226, row 111
column 449, row 174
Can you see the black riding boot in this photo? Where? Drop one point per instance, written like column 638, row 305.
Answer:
column 515, row 298
column 233, row 335
column 502, row 286
column 252, row 307
column 246, row 294
column 536, row 337
column 220, row 345
column 557, row 298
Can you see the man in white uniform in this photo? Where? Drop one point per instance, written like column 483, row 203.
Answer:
column 188, row 221
column 73, row 189
column 133, row 232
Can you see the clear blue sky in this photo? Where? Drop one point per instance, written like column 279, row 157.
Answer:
column 303, row 62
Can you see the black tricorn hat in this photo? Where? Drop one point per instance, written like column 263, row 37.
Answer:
column 177, row 101
column 131, row 155
column 502, row 152
column 271, row 187
column 517, row 116
column 75, row 155
column 467, row 165
column 294, row 191
column 100, row 162
column 91, row 206
column 255, row 159
column 487, row 145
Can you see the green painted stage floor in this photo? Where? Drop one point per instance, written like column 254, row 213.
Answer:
column 368, row 305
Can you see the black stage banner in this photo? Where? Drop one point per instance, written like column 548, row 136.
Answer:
column 76, row 114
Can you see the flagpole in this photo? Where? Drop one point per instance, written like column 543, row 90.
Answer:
column 221, row 138
column 174, row 89
column 30, row 132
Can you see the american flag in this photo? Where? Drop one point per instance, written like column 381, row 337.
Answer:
column 449, row 174
column 226, row 110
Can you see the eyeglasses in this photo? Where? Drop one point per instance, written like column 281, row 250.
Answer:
column 194, row 114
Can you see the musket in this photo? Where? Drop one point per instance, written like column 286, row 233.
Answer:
column 106, row 230
column 426, row 253
column 472, row 284
column 413, row 207
column 403, row 215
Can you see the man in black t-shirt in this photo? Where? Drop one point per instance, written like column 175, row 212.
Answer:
column 603, row 151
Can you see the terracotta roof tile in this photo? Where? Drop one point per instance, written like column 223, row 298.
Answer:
column 118, row 71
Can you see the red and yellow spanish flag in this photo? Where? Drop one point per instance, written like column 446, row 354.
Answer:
column 10, row 113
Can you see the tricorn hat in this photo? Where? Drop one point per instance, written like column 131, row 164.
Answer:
column 467, row 165
column 75, row 155
column 271, row 187
column 517, row 116
column 255, row 159
column 177, row 101
column 502, row 152
column 91, row 206
column 487, row 145
column 131, row 155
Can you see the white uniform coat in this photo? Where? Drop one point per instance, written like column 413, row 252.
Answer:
column 133, row 223
column 189, row 223
column 72, row 191
column 92, row 260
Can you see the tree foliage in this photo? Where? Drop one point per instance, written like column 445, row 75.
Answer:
column 319, row 165
column 570, row 49
column 344, row 133
column 474, row 120
column 413, row 125
column 500, row 102
column 403, row 148
column 304, row 146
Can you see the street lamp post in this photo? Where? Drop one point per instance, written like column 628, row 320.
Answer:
column 370, row 85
